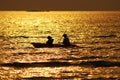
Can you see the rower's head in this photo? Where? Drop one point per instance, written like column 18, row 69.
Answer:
column 64, row 35
column 49, row 37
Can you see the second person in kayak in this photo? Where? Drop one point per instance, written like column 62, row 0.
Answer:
column 66, row 41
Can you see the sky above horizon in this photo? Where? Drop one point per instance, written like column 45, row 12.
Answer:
column 59, row 4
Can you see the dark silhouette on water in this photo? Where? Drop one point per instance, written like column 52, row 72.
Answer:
column 42, row 45
column 50, row 41
column 66, row 41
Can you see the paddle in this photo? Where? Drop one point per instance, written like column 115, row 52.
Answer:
column 61, row 37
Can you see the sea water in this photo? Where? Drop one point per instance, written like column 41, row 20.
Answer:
column 96, row 33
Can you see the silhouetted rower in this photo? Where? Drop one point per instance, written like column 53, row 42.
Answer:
column 50, row 41
column 66, row 41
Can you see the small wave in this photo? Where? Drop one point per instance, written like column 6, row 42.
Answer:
column 18, row 36
column 62, row 64
column 36, row 64
column 67, row 77
column 106, row 36
column 101, row 48
column 108, row 42
column 117, row 49
column 48, row 78
column 100, row 63
column 82, row 58
column 36, row 53
column 1, row 36
column 102, row 78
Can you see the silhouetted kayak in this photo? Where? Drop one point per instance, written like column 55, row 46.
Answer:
column 40, row 45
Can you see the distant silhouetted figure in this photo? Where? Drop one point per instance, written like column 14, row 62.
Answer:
column 66, row 41
column 50, row 41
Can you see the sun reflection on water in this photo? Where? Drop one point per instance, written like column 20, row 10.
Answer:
column 96, row 34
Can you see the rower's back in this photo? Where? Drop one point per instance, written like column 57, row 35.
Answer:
column 66, row 41
column 50, row 41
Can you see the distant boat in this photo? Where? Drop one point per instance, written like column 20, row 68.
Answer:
column 42, row 45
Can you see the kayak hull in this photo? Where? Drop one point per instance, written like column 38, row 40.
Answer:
column 42, row 45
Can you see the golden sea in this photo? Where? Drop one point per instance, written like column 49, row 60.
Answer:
column 96, row 33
